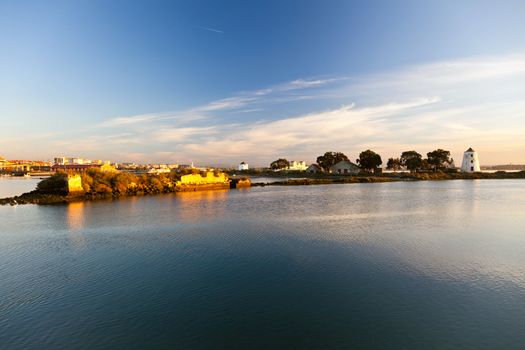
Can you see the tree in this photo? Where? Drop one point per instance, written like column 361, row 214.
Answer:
column 369, row 160
column 438, row 158
column 393, row 164
column 102, row 188
column 155, row 185
column 425, row 165
column 120, row 182
column 411, row 160
column 87, row 182
column 279, row 164
column 56, row 184
column 328, row 160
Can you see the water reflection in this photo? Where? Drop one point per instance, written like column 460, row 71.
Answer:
column 75, row 218
column 339, row 266
column 200, row 205
column 75, row 215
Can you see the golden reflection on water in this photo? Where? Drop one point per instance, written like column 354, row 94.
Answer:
column 76, row 222
column 75, row 215
column 199, row 205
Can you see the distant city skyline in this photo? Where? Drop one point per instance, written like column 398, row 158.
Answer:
column 218, row 83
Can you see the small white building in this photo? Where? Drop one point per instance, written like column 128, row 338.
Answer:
column 60, row 160
column 72, row 160
column 314, row 169
column 470, row 162
column 243, row 166
column 345, row 167
column 298, row 165
column 158, row 171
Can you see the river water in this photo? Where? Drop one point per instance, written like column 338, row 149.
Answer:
column 11, row 186
column 419, row 265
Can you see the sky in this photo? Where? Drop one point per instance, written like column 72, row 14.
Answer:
column 220, row 82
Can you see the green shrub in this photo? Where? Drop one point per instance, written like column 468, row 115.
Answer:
column 56, row 184
column 155, row 185
column 102, row 188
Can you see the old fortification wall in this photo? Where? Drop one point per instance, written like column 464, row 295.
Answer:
column 197, row 182
column 198, row 179
column 74, row 183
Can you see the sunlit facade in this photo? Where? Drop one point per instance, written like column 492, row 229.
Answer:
column 470, row 162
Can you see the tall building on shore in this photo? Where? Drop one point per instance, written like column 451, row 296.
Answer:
column 470, row 161
column 77, row 164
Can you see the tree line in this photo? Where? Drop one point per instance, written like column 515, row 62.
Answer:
column 369, row 161
column 413, row 161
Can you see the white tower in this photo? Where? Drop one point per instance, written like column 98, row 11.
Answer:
column 243, row 166
column 470, row 161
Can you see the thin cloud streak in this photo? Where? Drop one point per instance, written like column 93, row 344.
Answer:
column 226, row 104
column 233, row 103
column 452, row 105
column 332, row 129
column 212, row 29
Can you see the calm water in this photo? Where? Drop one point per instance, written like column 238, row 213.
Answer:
column 265, row 179
column 15, row 186
column 427, row 265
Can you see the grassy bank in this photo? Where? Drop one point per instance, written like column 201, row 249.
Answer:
column 325, row 179
column 464, row 176
column 106, row 186
column 328, row 180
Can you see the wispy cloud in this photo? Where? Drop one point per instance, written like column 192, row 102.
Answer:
column 302, row 84
column 175, row 134
column 226, row 104
column 304, row 135
column 249, row 110
column 211, row 29
column 122, row 121
column 455, row 104
column 238, row 103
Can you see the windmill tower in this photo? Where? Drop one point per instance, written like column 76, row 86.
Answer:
column 470, row 161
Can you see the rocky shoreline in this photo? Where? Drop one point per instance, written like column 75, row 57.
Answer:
column 37, row 197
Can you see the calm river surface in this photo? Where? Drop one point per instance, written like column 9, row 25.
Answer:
column 423, row 265
column 15, row 186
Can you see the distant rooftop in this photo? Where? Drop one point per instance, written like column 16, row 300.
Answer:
column 470, row 150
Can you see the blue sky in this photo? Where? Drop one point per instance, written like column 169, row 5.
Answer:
column 218, row 82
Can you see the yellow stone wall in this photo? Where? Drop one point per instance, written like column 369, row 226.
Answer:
column 107, row 168
column 197, row 179
column 74, row 183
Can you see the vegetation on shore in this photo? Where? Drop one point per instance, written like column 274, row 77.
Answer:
column 364, row 177
column 454, row 175
column 328, row 181
column 103, row 186
column 279, row 164
column 97, row 184
column 329, row 159
column 369, row 161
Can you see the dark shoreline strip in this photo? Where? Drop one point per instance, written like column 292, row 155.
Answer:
column 35, row 197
